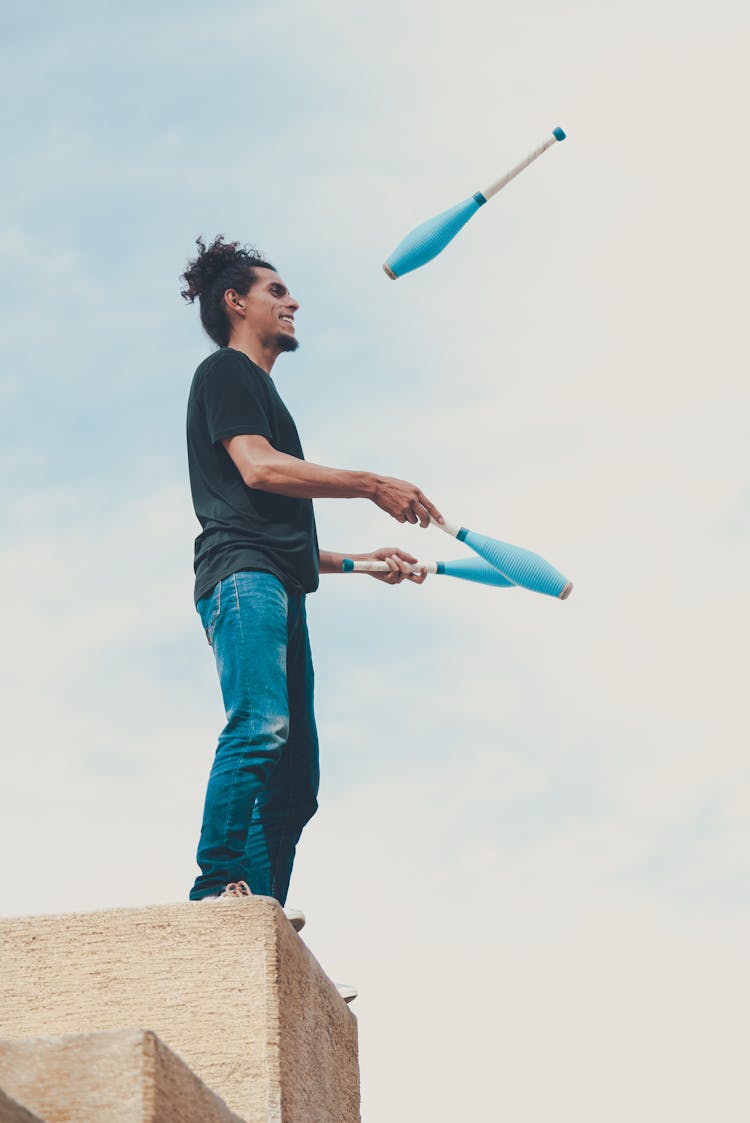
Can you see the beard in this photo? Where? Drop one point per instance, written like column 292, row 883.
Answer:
column 286, row 342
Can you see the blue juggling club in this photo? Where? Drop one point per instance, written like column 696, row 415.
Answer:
column 516, row 564
column 429, row 238
column 467, row 569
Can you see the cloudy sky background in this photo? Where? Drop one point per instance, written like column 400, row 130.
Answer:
column 532, row 850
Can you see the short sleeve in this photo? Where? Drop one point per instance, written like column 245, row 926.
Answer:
column 235, row 399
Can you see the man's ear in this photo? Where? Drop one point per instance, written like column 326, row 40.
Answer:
column 234, row 301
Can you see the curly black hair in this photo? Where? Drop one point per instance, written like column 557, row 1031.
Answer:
column 218, row 267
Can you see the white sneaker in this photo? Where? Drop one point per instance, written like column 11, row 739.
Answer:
column 296, row 917
column 347, row 992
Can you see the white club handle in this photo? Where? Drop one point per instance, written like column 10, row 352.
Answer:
column 371, row 565
column 493, row 189
column 449, row 528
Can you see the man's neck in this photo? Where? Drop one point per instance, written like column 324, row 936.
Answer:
column 263, row 356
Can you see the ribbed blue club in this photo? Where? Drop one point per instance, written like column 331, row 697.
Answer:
column 430, row 237
column 522, row 567
column 472, row 569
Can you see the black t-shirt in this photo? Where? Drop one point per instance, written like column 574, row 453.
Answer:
column 244, row 528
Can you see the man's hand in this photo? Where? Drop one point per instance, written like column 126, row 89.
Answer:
column 398, row 562
column 404, row 501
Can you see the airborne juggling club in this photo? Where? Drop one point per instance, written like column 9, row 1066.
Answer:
column 431, row 237
column 504, row 565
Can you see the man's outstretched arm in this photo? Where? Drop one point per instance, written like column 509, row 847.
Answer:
column 263, row 467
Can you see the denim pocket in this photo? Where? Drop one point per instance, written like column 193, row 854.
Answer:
column 209, row 609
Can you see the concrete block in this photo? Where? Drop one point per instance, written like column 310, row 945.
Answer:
column 228, row 985
column 12, row 1112
column 124, row 1076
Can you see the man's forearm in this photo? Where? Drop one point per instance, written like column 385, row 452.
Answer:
column 300, row 479
column 330, row 561
column 264, row 468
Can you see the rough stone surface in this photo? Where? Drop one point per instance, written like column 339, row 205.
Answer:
column 12, row 1112
column 228, row 985
column 123, row 1076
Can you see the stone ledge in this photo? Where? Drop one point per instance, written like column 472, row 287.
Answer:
column 229, row 986
column 123, row 1076
column 12, row 1112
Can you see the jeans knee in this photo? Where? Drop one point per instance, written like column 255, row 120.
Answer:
column 276, row 731
column 246, row 741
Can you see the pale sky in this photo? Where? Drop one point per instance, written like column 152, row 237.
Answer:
column 531, row 854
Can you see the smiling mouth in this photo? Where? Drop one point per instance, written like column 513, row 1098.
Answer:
column 287, row 320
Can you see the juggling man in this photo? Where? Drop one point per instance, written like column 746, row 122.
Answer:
column 256, row 559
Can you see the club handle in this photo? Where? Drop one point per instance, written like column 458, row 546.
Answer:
column 498, row 185
column 372, row 565
column 454, row 529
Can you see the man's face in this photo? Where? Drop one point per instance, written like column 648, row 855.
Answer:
column 270, row 309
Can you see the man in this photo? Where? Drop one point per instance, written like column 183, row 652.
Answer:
column 255, row 560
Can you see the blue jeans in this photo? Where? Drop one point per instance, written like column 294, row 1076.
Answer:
column 263, row 784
